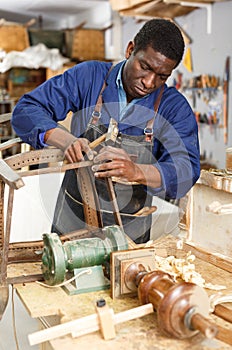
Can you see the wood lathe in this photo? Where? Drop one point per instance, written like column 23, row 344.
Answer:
column 182, row 309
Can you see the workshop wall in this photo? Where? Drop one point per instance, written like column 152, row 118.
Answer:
column 208, row 52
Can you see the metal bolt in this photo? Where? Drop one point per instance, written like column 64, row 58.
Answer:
column 101, row 302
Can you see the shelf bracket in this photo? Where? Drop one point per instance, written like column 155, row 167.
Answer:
column 208, row 8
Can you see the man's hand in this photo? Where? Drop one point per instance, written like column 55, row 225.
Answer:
column 74, row 152
column 112, row 161
column 116, row 162
column 72, row 146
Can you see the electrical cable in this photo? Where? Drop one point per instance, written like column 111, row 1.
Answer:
column 87, row 271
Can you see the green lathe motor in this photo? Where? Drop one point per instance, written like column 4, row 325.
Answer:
column 76, row 256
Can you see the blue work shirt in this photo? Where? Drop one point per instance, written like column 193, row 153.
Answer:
column 176, row 145
column 122, row 99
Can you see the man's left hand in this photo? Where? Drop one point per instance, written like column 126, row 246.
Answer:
column 112, row 161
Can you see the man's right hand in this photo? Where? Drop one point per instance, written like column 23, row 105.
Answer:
column 73, row 152
column 72, row 146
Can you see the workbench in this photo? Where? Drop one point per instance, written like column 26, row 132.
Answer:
column 54, row 306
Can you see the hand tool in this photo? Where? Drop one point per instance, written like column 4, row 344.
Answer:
column 86, row 183
column 111, row 137
column 90, row 324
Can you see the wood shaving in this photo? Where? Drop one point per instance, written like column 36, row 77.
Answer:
column 184, row 269
column 179, row 244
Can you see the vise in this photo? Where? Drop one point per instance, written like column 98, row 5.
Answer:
column 81, row 257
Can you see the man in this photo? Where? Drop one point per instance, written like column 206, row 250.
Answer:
column 156, row 151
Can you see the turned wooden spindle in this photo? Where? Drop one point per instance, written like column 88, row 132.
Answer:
column 182, row 308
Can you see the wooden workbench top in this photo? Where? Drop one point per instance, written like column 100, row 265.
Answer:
column 139, row 334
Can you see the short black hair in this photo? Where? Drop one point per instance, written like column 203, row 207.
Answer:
column 163, row 36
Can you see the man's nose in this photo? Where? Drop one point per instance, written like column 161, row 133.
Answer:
column 149, row 81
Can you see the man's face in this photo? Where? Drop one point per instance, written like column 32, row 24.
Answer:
column 145, row 71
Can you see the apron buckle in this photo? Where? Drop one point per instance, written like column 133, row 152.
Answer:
column 96, row 114
column 148, row 131
column 95, row 117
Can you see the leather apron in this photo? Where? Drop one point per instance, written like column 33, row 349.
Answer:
column 131, row 198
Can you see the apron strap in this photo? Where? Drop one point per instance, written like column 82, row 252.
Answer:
column 96, row 115
column 148, row 131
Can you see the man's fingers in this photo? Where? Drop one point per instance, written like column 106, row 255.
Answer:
column 86, row 149
column 109, row 153
column 109, row 167
column 74, row 153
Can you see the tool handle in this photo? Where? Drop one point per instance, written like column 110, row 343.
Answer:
column 97, row 142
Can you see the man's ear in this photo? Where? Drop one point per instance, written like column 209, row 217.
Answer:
column 129, row 49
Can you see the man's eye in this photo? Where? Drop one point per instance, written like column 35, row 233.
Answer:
column 144, row 66
column 163, row 77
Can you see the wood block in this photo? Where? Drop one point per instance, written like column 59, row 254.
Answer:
column 106, row 318
column 120, row 260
